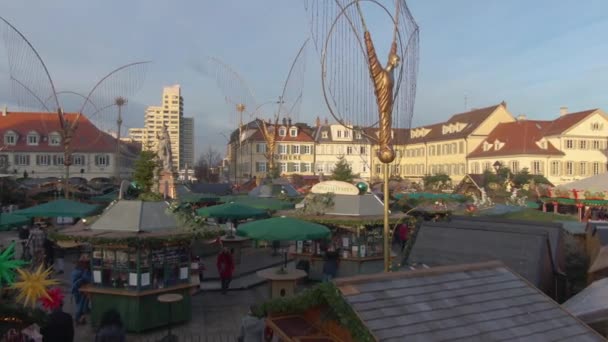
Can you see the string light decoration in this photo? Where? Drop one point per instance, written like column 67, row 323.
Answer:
column 33, row 285
column 8, row 265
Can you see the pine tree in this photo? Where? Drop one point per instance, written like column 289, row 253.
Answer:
column 342, row 171
column 145, row 166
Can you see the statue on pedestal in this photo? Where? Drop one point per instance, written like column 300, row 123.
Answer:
column 163, row 152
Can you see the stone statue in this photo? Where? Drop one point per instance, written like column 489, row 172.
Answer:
column 163, row 152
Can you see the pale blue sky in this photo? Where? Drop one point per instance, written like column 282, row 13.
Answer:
column 536, row 55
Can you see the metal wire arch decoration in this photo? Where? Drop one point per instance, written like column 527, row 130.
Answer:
column 328, row 94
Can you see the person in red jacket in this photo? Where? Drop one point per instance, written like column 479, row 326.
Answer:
column 403, row 234
column 225, row 267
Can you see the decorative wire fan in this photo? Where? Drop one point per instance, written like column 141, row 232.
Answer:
column 337, row 28
column 238, row 94
column 34, row 90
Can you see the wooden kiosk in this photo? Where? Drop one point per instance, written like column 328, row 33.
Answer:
column 357, row 219
column 137, row 254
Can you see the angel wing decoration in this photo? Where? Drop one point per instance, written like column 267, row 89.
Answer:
column 237, row 92
column 33, row 88
column 339, row 31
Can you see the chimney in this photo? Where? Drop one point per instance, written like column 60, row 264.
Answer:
column 563, row 111
column 284, row 122
column 4, row 110
column 326, row 122
column 504, row 104
column 289, row 122
column 521, row 117
column 318, row 122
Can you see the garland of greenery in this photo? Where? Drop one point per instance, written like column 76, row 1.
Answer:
column 322, row 294
column 196, row 229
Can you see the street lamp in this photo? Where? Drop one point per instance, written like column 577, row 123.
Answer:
column 497, row 166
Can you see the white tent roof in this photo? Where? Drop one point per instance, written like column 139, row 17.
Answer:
column 598, row 182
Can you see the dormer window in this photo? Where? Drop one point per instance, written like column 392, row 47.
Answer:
column 10, row 138
column 357, row 135
column 54, row 139
column 293, row 132
column 324, row 135
column 282, row 132
column 339, row 134
column 498, row 145
column 33, row 138
column 487, row 146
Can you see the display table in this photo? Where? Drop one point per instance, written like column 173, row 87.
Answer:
column 347, row 267
column 170, row 299
column 139, row 310
column 236, row 243
column 282, row 284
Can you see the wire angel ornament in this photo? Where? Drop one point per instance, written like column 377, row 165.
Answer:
column 34, row 89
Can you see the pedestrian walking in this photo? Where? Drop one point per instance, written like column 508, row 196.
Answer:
column 49, row 253
column 330, row 264
column 225, row 267
column 81, row 275
column 404, row 232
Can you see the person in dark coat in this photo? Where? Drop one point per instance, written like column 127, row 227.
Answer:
column 111, row 328
column 225, row 267
column 49, row 253
column 330, row 265
column 59, row 327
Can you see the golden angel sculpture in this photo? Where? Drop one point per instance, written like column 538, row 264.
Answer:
column 359, row 90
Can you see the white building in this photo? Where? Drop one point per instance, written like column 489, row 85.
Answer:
column 334, row 140
column 181, row 130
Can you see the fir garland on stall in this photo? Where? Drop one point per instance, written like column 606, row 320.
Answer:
column 325, row 294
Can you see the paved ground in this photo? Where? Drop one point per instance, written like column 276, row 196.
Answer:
column 215, row 317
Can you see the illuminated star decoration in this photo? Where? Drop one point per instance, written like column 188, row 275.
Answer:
column 8, row 265
column 54, row 299
column 33, row 285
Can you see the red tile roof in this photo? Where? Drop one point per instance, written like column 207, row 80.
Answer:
column 519, row 138
column 87, row 137
column 563, row 123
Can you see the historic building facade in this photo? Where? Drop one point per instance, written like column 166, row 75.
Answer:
column 31, row 144
column 571, row 147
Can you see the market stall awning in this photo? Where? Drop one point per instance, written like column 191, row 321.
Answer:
column 597, row 183
column 106, row 198
column 259, row 202
column 193, row 197
column 59, row 208
column 234, row 211
column 8, row 221
column 283, row 229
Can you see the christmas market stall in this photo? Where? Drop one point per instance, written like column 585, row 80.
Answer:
column 587, row 203
column 139, row 251
column 356, row 218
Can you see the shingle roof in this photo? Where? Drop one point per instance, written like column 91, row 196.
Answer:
column 554, row 231
column 135, row 216
column 591, row 304
column 318, row 136
column 519, row 137
column 446, row 243
column 87, row 137
column 564, row 122
column 476, row 302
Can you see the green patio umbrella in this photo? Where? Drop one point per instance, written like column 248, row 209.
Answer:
column 263, row 203
column 59, row 208
column 107, row 198
column 193, row 197
column 283, row 229
column 233, row 211
column 11, row 220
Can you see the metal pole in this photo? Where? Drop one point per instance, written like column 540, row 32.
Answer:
column 387, row 242
column 119, row 102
